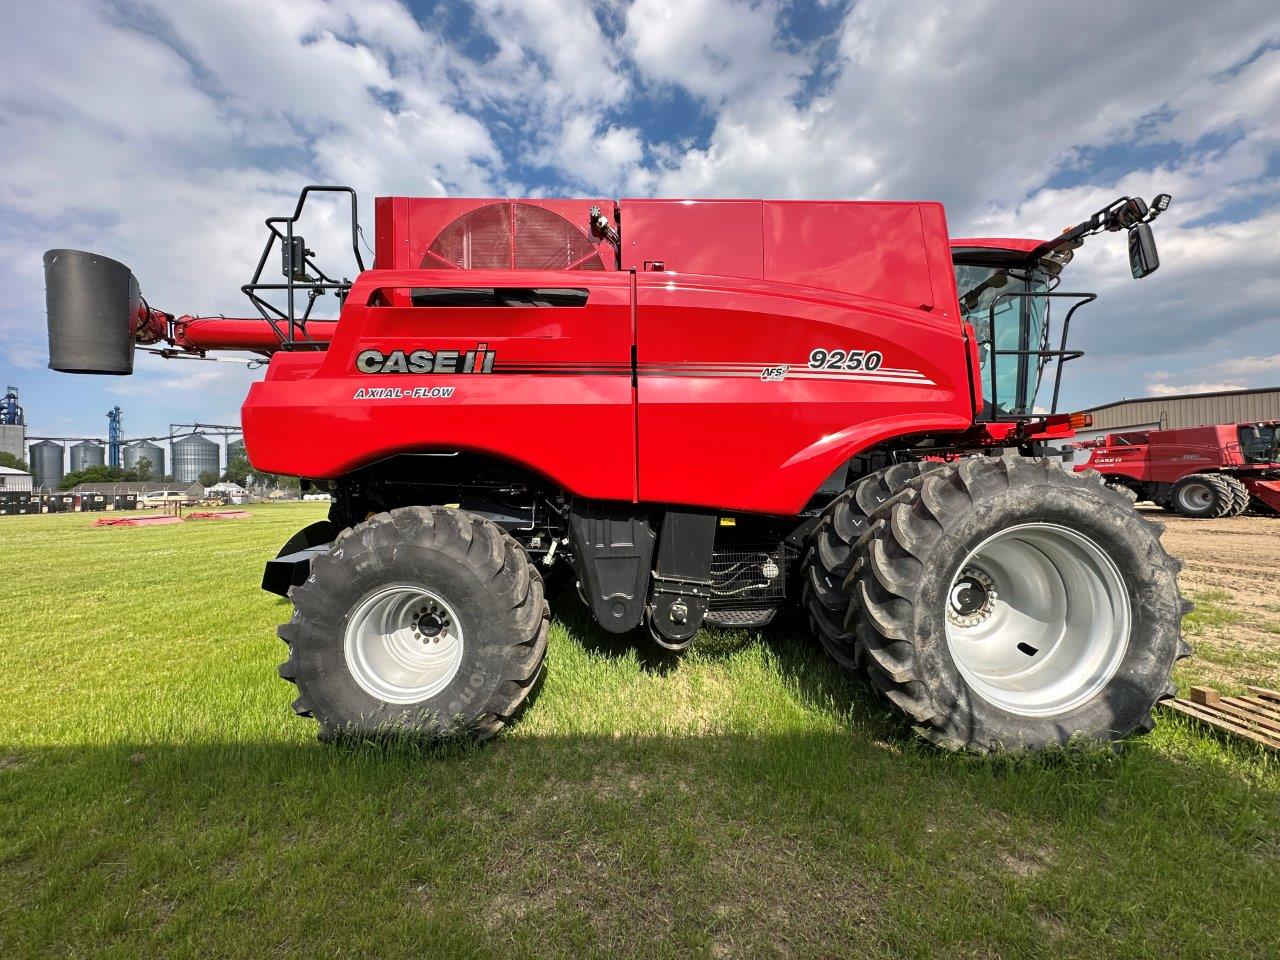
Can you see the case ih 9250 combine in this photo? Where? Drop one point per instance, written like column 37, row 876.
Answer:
column 707, row 408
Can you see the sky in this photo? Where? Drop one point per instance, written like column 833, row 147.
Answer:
column 162, row 134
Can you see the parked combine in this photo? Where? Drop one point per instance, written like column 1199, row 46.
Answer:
column 706, row 409
column 1203, row 472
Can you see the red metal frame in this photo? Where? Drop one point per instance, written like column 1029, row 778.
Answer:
column 686, row 377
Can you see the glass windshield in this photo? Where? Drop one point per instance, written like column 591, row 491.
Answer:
column 1260, row 444
column 1021, row 323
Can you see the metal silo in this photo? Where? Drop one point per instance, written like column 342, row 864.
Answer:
column 46, row 464
column 235, row 449
column 154, row 454
column 87, row 454
column 192, row 456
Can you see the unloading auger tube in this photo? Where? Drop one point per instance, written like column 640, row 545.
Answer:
column 699, row 412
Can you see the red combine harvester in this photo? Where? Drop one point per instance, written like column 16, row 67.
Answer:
column 705, row 408
column 1205, row 472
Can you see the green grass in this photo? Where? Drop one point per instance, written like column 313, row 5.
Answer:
column 1223, row 659
column 157, row 797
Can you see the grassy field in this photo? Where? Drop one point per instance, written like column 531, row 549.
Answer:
column 157, row 797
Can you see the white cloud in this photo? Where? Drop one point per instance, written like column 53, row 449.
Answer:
column 1238, row 373
column 717, row 49
column 557, row 48
column 1168, row 390
column 601, row 157
column 966, row 104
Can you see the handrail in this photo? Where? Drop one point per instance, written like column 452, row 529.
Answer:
column 1062, row 354
column 273, row 315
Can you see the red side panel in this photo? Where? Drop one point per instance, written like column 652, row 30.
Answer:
column 558, row 399
column 1128, row 460
column 733, row 415
column 895, row 252
column 875, row 250
column 717, row 237
column 391, row 232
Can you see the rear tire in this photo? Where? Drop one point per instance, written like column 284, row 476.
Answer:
column 831, row 554
column 1202, row 496
column 425, row 620
column 1005, row 603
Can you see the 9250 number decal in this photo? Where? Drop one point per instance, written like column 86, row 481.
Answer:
column 822, row 359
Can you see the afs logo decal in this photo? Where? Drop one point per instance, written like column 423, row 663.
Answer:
column 478, row 360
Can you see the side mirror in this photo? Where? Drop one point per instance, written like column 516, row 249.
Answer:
column 92, row 302
column 1143, row 258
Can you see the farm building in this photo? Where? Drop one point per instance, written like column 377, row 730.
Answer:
column 1184, row 410
column 14, row 481
column 1187, row 410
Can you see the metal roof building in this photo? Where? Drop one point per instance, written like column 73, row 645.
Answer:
column 14, row 481
column 1186, row 410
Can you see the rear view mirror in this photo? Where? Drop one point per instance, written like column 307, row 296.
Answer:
column 1132, row 212
column 92, row 302
column 1143, row 258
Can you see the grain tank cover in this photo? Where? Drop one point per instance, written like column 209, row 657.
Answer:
column 888, row 251
column 92, row 301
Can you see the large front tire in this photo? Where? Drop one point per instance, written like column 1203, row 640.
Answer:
column 424, row 620
column 1004, row 603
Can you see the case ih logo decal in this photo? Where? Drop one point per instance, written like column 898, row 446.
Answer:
column 479, row 360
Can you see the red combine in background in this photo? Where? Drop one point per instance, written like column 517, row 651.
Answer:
column 706, row 409
column 1214, row 471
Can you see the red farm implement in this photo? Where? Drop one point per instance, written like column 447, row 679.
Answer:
column 706, row 410
column 1207, row 472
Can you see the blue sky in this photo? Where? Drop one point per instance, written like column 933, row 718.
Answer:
column 163, row 133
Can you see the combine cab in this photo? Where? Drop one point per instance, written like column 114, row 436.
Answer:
column 705, row 410
column 1203, row 472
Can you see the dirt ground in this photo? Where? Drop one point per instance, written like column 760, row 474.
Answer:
column 1232, row 571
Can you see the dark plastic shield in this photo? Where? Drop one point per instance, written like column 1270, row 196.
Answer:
column 91, row 302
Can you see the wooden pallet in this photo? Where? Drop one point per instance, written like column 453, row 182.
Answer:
column 1255, row 717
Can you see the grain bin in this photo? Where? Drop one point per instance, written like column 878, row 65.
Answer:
column 86, row 454
column 45, row 458
column 192, row 456
column 154, row 454
column 235, row 449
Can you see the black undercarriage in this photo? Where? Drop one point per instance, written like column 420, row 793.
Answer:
column 672, row 568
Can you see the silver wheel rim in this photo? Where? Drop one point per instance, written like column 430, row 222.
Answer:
column 1038, row 619
column 1195, row 496
column 403, row 644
